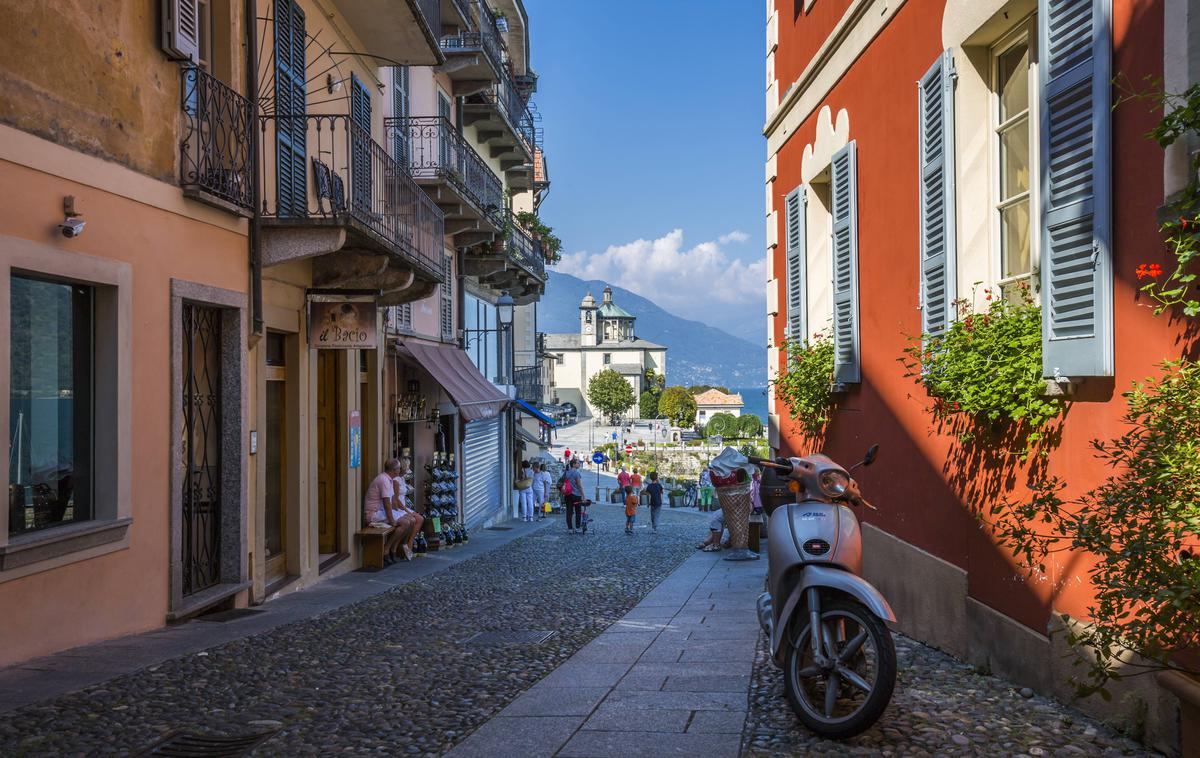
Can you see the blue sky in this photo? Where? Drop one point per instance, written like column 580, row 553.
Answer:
column 653, row 111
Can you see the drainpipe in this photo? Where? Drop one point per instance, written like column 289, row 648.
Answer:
column 256, row 305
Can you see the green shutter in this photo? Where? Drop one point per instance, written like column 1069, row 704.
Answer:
column 360, row 145
column 844, row 193
column 797, row 262
column 1076, row 201
column 938, row 274
column 291, row 127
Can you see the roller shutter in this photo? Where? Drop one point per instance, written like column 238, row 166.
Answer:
column 483, row 476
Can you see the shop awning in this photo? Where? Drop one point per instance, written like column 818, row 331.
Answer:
column 475, row 396
column 532, row 411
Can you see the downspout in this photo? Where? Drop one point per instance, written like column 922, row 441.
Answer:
column 256, row 304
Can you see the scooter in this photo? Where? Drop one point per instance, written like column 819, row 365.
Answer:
column 838, row 679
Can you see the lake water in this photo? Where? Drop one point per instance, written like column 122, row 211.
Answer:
column 755, row 399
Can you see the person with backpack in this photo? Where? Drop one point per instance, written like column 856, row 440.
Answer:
column 571, row 486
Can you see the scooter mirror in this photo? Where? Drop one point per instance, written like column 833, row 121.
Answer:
column 872, row 453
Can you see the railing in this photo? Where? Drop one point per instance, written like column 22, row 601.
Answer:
column 528, row 382
column 487, row 40
column 432, row 11
column 326, row 167
column 524, row 250
column 433, row 149
column 215, row 149
column 505, row 96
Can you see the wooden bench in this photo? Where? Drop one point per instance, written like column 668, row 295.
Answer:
column 373, row 539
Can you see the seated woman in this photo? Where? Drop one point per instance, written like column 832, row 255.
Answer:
column 378, row 510
column 411, row 521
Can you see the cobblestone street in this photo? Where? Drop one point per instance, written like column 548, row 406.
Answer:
column 390, row 675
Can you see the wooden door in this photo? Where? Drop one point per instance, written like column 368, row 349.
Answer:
column 328, row 452
column 275, row 506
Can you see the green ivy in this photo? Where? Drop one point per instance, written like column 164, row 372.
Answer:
column 987, row 367
column 1142, row 525
column 806, row 383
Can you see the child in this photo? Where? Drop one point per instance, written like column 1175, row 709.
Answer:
column 631, row 503
column 655, row 491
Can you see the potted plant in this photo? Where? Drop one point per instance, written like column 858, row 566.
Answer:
column 501, row 21
column 676, row 497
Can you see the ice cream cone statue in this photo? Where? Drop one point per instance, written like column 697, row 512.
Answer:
column 731, row 477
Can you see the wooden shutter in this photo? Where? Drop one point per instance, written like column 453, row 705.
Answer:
column 360, row 145
column 797, row 263
column 844, row 192
column 938, row 273
column 400, row 109
column 1076, row 255
column 446, row 289
column 291, row 127
column 181, row 29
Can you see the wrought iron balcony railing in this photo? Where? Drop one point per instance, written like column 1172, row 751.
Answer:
column 433, row 149
column 486, row 39
column 525, row 250
column 327, row 169
column 215, row 159
column 507, row 98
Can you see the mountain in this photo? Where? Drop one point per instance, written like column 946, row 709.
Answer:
column 697, row 353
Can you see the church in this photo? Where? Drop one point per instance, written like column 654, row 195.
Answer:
column 606, row 340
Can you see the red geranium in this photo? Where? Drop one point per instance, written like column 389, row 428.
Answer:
column 1149, row 271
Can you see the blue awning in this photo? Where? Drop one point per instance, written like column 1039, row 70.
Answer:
column 535, row 413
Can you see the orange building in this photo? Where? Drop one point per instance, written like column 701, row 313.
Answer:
column 924, row 151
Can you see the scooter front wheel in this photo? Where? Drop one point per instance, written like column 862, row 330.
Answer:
column 848, row 691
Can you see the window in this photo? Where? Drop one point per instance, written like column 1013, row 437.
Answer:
column 1013, row 151
column 559, row 359
column 607, row 359
column 51, row 442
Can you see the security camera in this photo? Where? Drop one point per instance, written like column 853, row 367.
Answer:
column 72, row 227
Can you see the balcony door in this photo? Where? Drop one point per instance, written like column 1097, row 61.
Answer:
column 360, row 144
column 290, row 107
column 444, row 150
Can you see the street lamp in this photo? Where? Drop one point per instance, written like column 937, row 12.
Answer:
column 504, row 316
column 504, row 309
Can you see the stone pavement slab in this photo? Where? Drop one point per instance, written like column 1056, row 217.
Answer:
column 671, row 677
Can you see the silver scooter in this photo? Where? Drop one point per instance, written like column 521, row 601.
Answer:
column 840, row 680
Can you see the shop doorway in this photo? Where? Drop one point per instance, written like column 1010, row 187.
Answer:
column 276, row 451
column 329, row 459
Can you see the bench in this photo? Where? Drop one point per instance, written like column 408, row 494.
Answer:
column 373, row 539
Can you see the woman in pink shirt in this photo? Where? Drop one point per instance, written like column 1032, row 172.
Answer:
column 379, row 509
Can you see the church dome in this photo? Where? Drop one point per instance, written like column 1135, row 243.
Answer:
column 588, row 301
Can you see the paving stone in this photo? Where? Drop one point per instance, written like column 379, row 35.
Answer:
column 591, row 744
column 556, row 701
column 691, row 701
column 717, row 722
column 585, row 675
column 701, row 683
column 538, row 735
column 618, row 719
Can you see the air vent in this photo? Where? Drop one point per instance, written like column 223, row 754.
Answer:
column 816, row 547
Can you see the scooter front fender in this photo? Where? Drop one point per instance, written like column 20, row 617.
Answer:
column 833, row 579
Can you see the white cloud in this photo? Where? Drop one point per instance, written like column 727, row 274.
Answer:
column 702, row 282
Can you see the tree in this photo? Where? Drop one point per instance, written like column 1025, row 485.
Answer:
column 724, row 424
column 749, row 426
column 648, row 405
column 655, row 381
column 610, row 393
column 678, row 405
column 696, row 389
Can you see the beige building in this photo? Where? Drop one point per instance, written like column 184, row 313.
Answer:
column 712, row 402
column 606, row 341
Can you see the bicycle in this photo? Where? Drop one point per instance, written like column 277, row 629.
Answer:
column 690, row 496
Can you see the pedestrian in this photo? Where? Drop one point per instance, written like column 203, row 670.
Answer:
column 542, row 482
column 706, row 489
column 631, row 503
column 378, row 512
column 525, row 491
column 755, row 491
column 636, row 481
column 623, row 478
column 655, row 491
column 572, row 490
column 716, row 530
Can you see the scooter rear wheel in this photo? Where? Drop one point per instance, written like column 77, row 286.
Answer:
column 844, row 699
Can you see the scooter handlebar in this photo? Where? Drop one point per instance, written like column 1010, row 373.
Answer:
column 781, row 464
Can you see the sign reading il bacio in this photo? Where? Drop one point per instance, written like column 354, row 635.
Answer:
column 341, row 324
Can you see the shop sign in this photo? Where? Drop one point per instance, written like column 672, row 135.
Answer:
column 341, row 324
column 355, row 439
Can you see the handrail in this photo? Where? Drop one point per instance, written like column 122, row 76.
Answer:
column 215, row 149
column 525, row 250
column 432, row 148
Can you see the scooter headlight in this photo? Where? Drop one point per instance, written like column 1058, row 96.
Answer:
column 834, row 483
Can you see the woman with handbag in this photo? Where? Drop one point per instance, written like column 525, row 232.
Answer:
column 524, row 487
column 572, row 490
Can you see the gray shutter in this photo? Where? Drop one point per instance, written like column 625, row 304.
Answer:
column 445, row 303
column 797, row 264
column 844, row 191
column 1076, row 257
column 938, row 254
column 181, row 29
column 482, row 477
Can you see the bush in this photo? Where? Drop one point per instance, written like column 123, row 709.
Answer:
column 806, row 386
column 749, row 426
column 724, row 424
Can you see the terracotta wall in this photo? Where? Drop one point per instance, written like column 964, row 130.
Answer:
column 802, row 33
column 924, row 499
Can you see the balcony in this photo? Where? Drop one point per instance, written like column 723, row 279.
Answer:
column 459, row 181
column 506, row 126
column 214, row 154
column 474, row 58
column 333, row 194
column 529, row 383
column 514, row 264
column 406, row 31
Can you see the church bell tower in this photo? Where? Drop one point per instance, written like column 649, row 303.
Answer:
column 589, row 324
